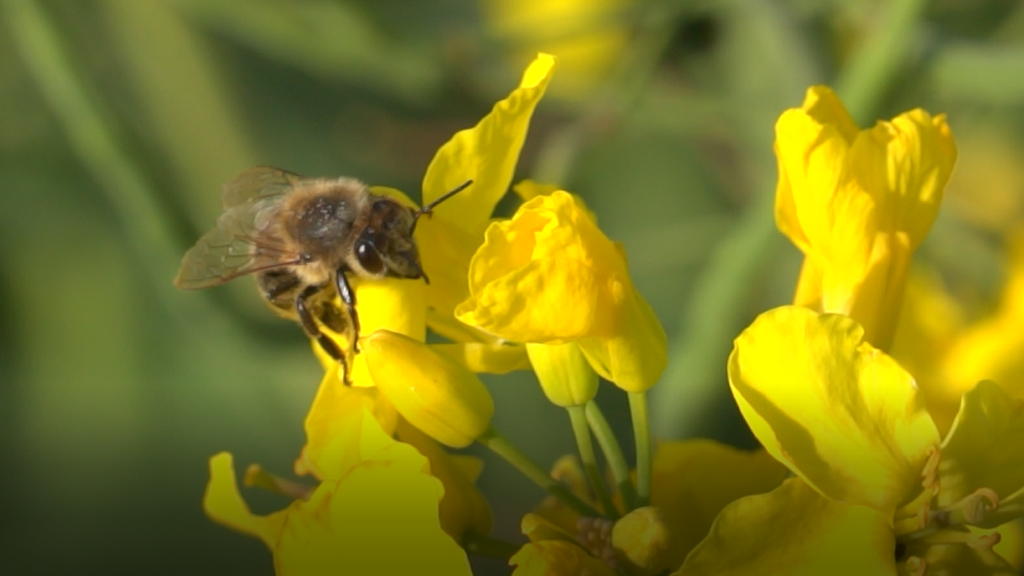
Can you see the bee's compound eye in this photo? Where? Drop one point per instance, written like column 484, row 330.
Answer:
column 369, row 258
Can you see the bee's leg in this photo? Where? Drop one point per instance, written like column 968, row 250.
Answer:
column 313, row 330
column 348, row 298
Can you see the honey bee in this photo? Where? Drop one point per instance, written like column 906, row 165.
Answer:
column 300, row 236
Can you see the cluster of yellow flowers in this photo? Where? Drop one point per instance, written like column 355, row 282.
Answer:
column 855, row 478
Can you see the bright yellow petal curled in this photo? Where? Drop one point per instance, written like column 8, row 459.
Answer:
column 435, row 394
column 839, row 413
column 793, row 531
column 486, row 154
column 550, row 276
column 858, row 204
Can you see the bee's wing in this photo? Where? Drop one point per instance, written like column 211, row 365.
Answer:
column 239, row 245
column 259, row 183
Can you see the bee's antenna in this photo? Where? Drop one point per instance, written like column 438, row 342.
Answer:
column 429, row 208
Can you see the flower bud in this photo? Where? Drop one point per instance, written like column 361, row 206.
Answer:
column 435, row 394
column 564, row 374
column 643, row 541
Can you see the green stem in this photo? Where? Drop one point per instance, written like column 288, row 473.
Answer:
column 476, row 543
column 882, row 53
column 612, row 452
column 521, row 462
column 642, row 435
column 578, row 417
column 91, row 134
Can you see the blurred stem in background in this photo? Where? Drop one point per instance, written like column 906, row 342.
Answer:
column 91, row 135
column 715, row 314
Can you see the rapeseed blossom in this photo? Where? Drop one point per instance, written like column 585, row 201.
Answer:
column 877, row 486
column 858, row 203
column 877, row 489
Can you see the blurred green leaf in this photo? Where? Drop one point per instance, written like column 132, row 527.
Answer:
column 191, row 117
column 980, row 73
column 328, row 39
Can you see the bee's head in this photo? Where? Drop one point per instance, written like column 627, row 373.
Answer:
column 385, row 246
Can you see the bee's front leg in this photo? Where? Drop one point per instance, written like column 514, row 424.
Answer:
column 348, row 298
column 313, row 329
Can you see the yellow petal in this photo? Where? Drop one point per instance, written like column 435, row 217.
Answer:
column 835, row 410
column 225, row 505
column 385, row 519
column 634, row 358
column 335, row 416
column 463, row 507
column 858, row 204
column 921, row 154
column 435, row 394
column 486, row 358
column 930, row 323
column 379, row 517
column 985, row 447
column 563, row 372
column 557, row 558
column 393, row 304
column 793, row 531
column 550, row 276
column 693, row 480
column 990, row 349
column 486, row 154
column 644, row 541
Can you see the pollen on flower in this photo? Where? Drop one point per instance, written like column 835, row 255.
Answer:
column 595, row 535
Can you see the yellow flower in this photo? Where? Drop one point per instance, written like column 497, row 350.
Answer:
column 487, row 154
column 872, row 495
column 692, row 481
column 550, row 276
column 462, row 508
column 858, row 203
column 374, row 512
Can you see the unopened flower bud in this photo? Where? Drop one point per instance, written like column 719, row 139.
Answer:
column 643, row 541
column 434, row 393
column 564, row 374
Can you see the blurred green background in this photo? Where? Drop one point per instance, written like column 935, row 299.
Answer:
column 120, row 120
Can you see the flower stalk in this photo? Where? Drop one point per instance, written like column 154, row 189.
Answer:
column 502, row 447
column 642, row 437
column 580, row 429
column 612, row 452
